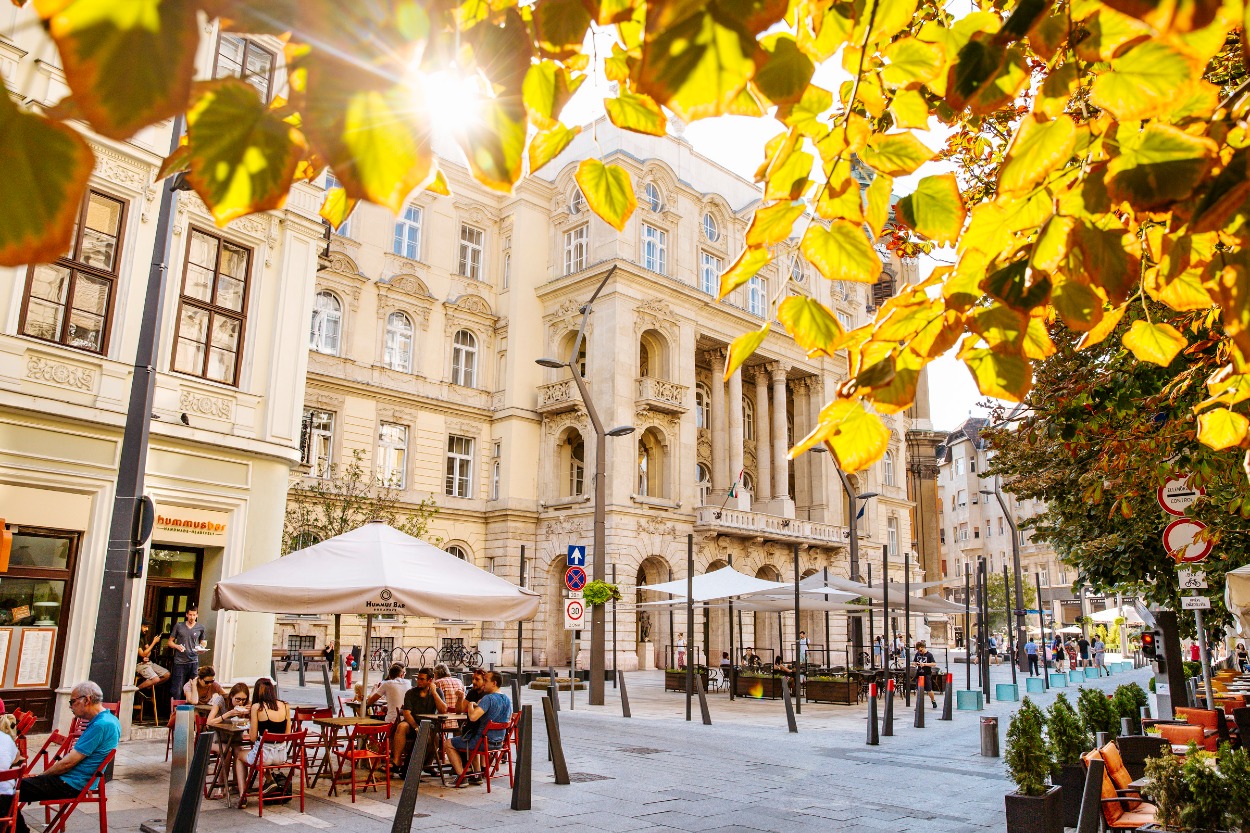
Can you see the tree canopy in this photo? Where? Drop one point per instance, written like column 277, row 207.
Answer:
column 1099, row 153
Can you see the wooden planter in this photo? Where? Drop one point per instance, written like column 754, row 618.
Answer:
column 1034, row 814
column 676, row 680
column 1071, row 781
column 765, row 687
column 832, row 691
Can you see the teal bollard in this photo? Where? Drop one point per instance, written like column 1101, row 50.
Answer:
column 1058, row 680
column 1007, row 691
column 1035, row 685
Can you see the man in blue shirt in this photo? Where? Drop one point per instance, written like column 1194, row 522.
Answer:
column 67, row 777
column 494, row 707
column 1030, row 650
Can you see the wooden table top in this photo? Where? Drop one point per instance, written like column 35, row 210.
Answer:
column 348, row 721
column 440, row 716
column 229, row 728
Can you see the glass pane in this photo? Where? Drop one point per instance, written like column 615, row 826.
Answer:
column 99, row 245
column 193, row 325
column 229, row 55
column 92, row 294
column 203, row 250
column 221, row 365
column 171, row 564
column 40, row 551
column 199, row 282
column 29, row 601
column 43, row 320
column 229, row 293
column 189, row 357
column 226, row 333
column 234, row 261
column 259, row 67
column 50, row 282
column 99, row 250
column 86, row 330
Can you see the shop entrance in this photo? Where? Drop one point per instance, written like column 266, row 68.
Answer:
column 173, row 583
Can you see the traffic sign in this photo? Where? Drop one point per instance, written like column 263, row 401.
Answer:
column 574, row 615
column 575, row 578
column 1195, row 603
column 1192, row 579
column 577, row 555
column 1176, row 495
column 1179, row 541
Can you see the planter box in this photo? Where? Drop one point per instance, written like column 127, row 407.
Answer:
column 1007, row 691
column 676, row 680
column 1071, row 782
column 1034, row 685
column 1076, row 676
column 1058, row 680
column 758, row 687
column 831, row 691
column 969, row 700
column 1091, row 673
column 1034, row 814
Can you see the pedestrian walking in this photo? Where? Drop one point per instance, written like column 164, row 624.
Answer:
column 187, row 640
column 1030, row 650
column 802, row 647
column 993, row 649
column 926, row 667
column 1100, row 650
column 876, row 650
column 1082, row 646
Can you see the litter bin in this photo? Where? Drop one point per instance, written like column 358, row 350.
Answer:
column 989, row 737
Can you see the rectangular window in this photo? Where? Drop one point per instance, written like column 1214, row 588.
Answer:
column 408, row 234
column 844, row 318
column 654, row 249
column 988, row 531
column 576, row 243
column 1000, row 526
column 710, row 268
column 317, row 442
column 959, row 467
column 891, row 529
column 70, row 301
column 976, row 533
column 459, row 466
column 211, row 308
column 1044, row 579
column 496, row 454
column 757, row 296
column 942, row 535
column 471, row 252
column 392, row 455
column 242, row 57
column 963, row 498
column 507, row 266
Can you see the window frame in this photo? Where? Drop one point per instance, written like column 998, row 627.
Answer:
column 659, row 241
column 410, row 229
column 653, row 196
column 388, row 351
column 757, row 296
column 887, row 469
column 710, row 284
column 576, row 249
column 711, row 228
column 702, row 412
column 312, row 324
column 75, row 266
column 212, row 308
column 577, row 469
column 248, row 43
column 309, row 432
column 460, row 368
column 476, row 268
column 385, row 449
column 459, row 467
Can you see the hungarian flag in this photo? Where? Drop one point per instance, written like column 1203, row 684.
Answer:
column 733, row 490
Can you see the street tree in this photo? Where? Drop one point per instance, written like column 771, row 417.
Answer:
column 1099, row 153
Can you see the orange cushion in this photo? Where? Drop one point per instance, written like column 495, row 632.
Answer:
column 1206, row 718
column 1134, row 819
column 1111, row 810
column 1115, row 765
column 1182, row 734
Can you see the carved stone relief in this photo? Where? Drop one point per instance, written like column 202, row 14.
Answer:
column 61, row 374
column 464, row 429
column 202, row 404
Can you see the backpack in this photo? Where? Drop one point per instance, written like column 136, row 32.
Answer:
column 278, row 788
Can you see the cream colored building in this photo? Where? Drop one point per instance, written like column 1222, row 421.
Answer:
column 422, row 349
column 226, row 416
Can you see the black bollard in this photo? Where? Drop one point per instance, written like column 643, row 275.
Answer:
column 407, row 806
column 325, row 680
column 516, row 693
column 553, row 690
column 188, row 812
column 1126, row 726
column 1144, row 714
column 874, row 739
column 920, row 695
column 560, row 768
column 620, row 678
column 947, row 705
column 887, row 719
column 300, row 666
column 524, row 759
column 1101, row 739
column 785, row 695
column 273, row 670
column 698, row 688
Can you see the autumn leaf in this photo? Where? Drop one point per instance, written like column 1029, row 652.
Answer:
column 1039, row 148
column 935, row 209
column 1001, row 375
column 896, row 154
column 1155, row 343
column 608, row 191
column 841, row 252
column 912, row 61
column 751, row 261
column 811, row 324
column 548, row 144
column 773, row 223
column 741, row 348
column 1158, row 165
column 856, row 437
column 639, row 113
column 1222, row 428
column 1142, row 81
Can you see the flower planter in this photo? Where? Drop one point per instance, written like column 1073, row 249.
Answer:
column 1071, row 781
column 1034, row 685
column 844, row 693
column 1034, row 814
column 676, row 680
column 758, row 687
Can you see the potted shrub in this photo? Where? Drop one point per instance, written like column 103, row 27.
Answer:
column 1067, row 740
column 757, row 684
column 825, row 689
column 1097, row 714
column 1197, row 795
column 1035, row 806
column 1128, row 701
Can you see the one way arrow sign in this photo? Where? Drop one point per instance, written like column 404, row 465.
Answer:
column 577, row 555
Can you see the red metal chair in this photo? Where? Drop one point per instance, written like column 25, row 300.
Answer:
column 293, row 761
column 487, row 753
column 369, row 745
column 173, row 710
column 25, row 722
column 8, row 821
column 53, row 749
column 505, row 751
column 92, row 793
column 317, row 742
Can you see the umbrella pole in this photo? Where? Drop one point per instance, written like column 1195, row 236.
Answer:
column 364, row 671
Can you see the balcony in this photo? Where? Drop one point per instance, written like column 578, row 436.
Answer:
column 740, row 524
column 663, row 396
column 557, row 397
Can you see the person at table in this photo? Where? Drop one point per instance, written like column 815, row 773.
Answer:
column 393, row 688
column 149, row 672
column 204, row 690
column 449, row 688
column 726, row 664
column 494, row 707
column 422, row 698
column 1243, row 657
column 9, row 758
column 186, row 640
column 926, row 667
column 234, row 708
column 476, row 689
column 266, row 714
column 67, row 777
column 751, row 659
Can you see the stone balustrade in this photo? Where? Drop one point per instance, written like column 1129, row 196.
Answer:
column 740, row 523
column 556, row 397
column 662, row 395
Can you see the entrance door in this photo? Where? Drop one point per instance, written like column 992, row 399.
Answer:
column 173, row 583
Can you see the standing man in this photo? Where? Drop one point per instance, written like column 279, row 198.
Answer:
column 802, row 647
column 926, row 668
column 1100, row 651
column 186, row 640
column 1082, row 645
column 1030, row 650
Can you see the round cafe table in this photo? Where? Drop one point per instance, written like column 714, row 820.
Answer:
column 336, row 725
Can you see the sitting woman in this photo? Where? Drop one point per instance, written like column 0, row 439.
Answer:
column 236, row 709
column 148, row 672
column 268, row 714
column 204, row 689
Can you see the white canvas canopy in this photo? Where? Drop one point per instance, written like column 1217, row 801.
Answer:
column 1237, row 596
column 375, row 569
column 918, row 604
column 1128, row 613
column 718, row 584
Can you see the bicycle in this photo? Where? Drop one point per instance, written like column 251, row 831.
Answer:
column 460, row 656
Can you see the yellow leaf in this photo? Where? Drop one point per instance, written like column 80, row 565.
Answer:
column 1037, row 343
column 744, row 268
column 548, row 144
column 608, row 191
column 912, row 61
column 1142, row 81
column 1079, row 306
column 812, row 325
column 790, row 179
column 1056, row 90
column 896, row 154
column 841, row 253
column 636, row 112
column 804, row 116
column 773, row 223
column 1182, row 292
column 900, row 392
column 439, row 185
column 1155, row 343
column 1039, row 148
column 935, row 209
column 910, row 109
column 1001, row 375
column 1097, row 333
column 336, row 207
column 546, row 89
column 878, row 208
column 1158, row 165
column 741, row 348
column 840, row 198
column 856, row 437
column 1221, row 428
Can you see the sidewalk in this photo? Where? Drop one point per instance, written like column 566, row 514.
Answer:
column 658, row 772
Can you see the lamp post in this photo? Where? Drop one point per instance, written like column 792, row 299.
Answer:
column 857, row 626
column 1022, row 660
column 598, row 641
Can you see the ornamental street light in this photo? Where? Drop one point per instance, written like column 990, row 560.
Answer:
column 598, row 641
column 1021, row 658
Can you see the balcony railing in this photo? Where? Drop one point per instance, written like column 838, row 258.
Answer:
column 739, row 523
column 555, row 397
column 662, row 395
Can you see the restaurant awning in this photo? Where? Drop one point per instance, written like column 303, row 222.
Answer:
column 918, row 604
column 718, row 584
column 1237, row 597
column 1128, row 613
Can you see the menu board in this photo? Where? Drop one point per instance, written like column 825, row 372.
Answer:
column 34, row 661
column 6, row 637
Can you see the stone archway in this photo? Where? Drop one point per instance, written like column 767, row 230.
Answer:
column 557, row 646
column 767, row 625
column 655, row 625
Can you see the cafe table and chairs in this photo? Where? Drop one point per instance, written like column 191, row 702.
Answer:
column 334, row 729
column 369, row 748
column 230, row 737
column 443, row 726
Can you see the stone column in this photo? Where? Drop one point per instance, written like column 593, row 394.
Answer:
column 733, row 409
column 782, row 504
column 763, row 441
column 720, row 427
column 817, row 462
column 802, row 463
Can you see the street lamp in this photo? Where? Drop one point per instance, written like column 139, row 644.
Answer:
column 1022, row 660
column 598, row 641
column 857, row 626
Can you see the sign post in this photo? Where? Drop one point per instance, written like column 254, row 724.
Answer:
column 1184, row 541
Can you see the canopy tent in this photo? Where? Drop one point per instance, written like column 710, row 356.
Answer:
column 718, row 584
column 1237, row 597
column 1070, row 629
column 918, row 604
column 1128, row 613
column 375, row 569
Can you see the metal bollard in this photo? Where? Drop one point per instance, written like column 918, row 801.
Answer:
column 887, row 719
column 874, row 738
column 1126, row 726
column 180, row 759
column 920, row 693
column 989, row 737
column 946, row 698
column 1144, row 714
column 1101, row 739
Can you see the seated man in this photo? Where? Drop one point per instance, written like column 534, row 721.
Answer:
column 422, row 698
column 67, row 777
column 494, row 707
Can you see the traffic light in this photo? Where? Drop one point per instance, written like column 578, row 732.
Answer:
column 1150, row 644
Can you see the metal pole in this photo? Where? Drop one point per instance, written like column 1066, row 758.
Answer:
column 967, row 629
column 614, row 628
column 1041, row 627
column 1022, row 662
column 1205, row 657
column 798, row 643
column 689, row 615
column 123, row 561
column 982, row 644
column 885, row 609
column 907, row 627
column 872, row 637
column 828, row 643
column 520, row 628
column 733, row 656
column 852, row 522
column 1011, row 649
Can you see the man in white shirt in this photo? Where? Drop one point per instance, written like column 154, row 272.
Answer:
column 393, row 688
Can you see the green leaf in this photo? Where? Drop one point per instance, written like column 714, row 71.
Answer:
column 1001, row 375
column 639, row 113
column 546, row 89
column 242, row 154
column 856, row 437
column 1057, row 90
column 1039, row 148
column 741, row 348
column 696, row 66
column 842, row 252
column 804, row 116
column 912, row 61
column 129, row 62
column 1159, row 165
column 877, row 211
column 786, row 72
column 896, row 154
column 813, row 326
column 789, row 180
column 744, row 268
column 1155, row 343
column 910, row 109
column 1017, row 286
column 1077, row 304
column 1142, row 81
column 46, row 166
column 1222, row 428
column 773, row 223
column 560, row 26
column 547, row 144
column 888, row 19
column 1104, row 261
column 935, row 209
column 608, row 191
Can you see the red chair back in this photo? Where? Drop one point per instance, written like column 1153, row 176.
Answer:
column 25, row 723
column 8, row 821
column 295, row 761
column 1206, row 718
column 54, row 747
column 92, row 793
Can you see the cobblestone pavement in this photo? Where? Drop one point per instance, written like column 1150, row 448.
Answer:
column 658, row 772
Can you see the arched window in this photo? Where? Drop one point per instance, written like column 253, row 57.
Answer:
column 464, row 359
column 644, row 359
column 651, row 196
column 711, row 230
column 577, row 466
column 748, row 482
column 702, row 406
column 797, row 273
column 458, row 551
column 887, row 469
column 703, row 482
column 327, row 324
column 651, row 464
column 397, row 354
column 577, row 202
column 748, row 419
column 653, row 355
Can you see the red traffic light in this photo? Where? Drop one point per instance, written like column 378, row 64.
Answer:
column 1149, row 644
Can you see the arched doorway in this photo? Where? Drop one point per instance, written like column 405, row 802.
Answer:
column 557, row 646
column 655, row 624
column 717, row 627
column 767, row 632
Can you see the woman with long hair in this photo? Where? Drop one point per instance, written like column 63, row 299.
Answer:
column 267, row 714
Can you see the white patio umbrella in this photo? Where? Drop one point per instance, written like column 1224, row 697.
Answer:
column 1237, row 596
column 375, row 569
column 1128, row 613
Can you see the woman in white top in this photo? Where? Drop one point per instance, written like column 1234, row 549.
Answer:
column 393, row 688
column 8, row 760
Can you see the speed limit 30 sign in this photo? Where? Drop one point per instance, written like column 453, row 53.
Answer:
column 574, row 614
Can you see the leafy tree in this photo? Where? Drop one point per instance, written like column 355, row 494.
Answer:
column 1097, row 713
column 1065, row 735
column 999, row 601
column 1027, row 758
column 1128, row 701
column 1099, row 152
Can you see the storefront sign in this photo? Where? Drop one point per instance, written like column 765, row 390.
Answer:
column 180, row 525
